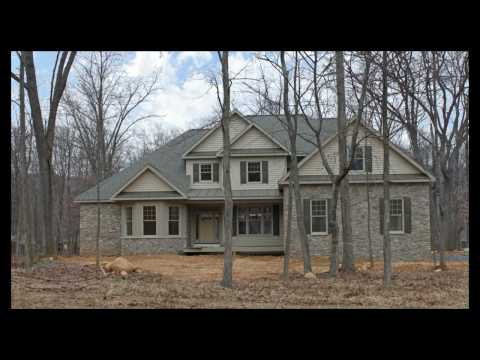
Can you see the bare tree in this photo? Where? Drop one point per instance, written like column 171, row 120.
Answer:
column 227, row 186
column 44, row 138
column 387, row 251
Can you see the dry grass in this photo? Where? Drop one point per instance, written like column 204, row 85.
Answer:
column 173, row 281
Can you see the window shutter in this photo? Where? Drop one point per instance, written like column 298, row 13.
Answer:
column 306, row 215
column 265, row 172
column 276, row 220
column 215, row 172
column 381, row 215
column 196, row 226
column 234, row 221
column 243, row 172
column 368, row 158
column 329, row 206
column 195, row 173
column 407, row 208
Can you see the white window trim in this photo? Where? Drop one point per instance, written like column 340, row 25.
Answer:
column 363, row 158
column 177, row 221
column 261, row 173
column 311, row 217
column 200, row 173
column 125, row 219
column 403, row 217
column 156, row 220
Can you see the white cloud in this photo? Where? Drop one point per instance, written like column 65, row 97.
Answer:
column 199, row 58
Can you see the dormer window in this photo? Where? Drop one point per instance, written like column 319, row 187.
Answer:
column 206, row 172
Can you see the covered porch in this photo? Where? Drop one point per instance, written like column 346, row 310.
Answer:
column 257, row 227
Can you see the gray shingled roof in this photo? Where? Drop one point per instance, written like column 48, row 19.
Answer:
column 236, row 194
column 363, row 177
column 167, row 160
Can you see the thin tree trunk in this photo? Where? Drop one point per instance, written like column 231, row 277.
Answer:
column 348, row 264
column 227, row 186
column 387, row 252
column 288, row 237
column 26, row 214
column 369, row 232
column 333, row 227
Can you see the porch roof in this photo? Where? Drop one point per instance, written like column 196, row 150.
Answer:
column 148, row 195
column 237, row 194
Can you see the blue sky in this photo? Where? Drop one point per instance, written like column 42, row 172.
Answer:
column 185, row 97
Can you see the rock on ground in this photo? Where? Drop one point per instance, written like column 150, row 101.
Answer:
column 120, row 264
column 310, row 275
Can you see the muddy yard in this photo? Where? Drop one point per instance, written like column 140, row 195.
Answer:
column 174, row 281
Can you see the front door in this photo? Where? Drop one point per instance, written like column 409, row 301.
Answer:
column 208, row 227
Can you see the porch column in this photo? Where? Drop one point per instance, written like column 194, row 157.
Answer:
column 189, row 227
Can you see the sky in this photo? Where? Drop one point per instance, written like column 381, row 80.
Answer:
column 185, row 97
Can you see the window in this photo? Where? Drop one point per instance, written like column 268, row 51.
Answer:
column 173, row 220
column 396, row 215
column 358, row 162
column 254, row 173
column 319, row 216
column 254, row 220
column 128, row 220
column 149, row 220
column 206, row 172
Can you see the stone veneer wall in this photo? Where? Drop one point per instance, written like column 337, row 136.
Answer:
column 132, row 246
column 415, row 245
column 109, row 229
column 110, row 234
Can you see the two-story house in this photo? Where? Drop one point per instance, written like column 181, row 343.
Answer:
column 172, row 200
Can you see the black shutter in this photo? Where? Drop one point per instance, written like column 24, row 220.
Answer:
column 276, row 220
column 243, row 172
column 329, row 207
column 368, row 158
column 407, row 208
column 195, row 173
column 306, row 215
column 234, row 221
column 215, row 172
column 381, row 215
column 265, row 172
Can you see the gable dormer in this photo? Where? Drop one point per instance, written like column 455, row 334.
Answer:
column 212, row 141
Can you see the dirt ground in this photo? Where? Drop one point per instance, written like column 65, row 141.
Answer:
column 174, row 281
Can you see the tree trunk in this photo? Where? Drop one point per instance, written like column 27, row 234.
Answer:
column 387, row 252
column 288, row 235
column 348, row 264
column 333, row 228
column 25, row 189
column 369, row 232
column 227, row 186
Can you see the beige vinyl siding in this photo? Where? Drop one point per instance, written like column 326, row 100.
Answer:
column 161, row 208
column 214, row 141
column 277, row 167
column 189, row 171
column 398, row 165
column 148, row 181
column 254, row 139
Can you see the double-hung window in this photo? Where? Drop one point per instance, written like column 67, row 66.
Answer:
column 128, row 220
column 206, row 172
column 358, row 162
column 319, row 216
column 254, row 171
column 396, row 215
column 149, row 220
column 173, row 220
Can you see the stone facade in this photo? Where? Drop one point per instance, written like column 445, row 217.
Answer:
column 407, row 246
column 132, row 246
column 110, row 234
column 109, row 229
